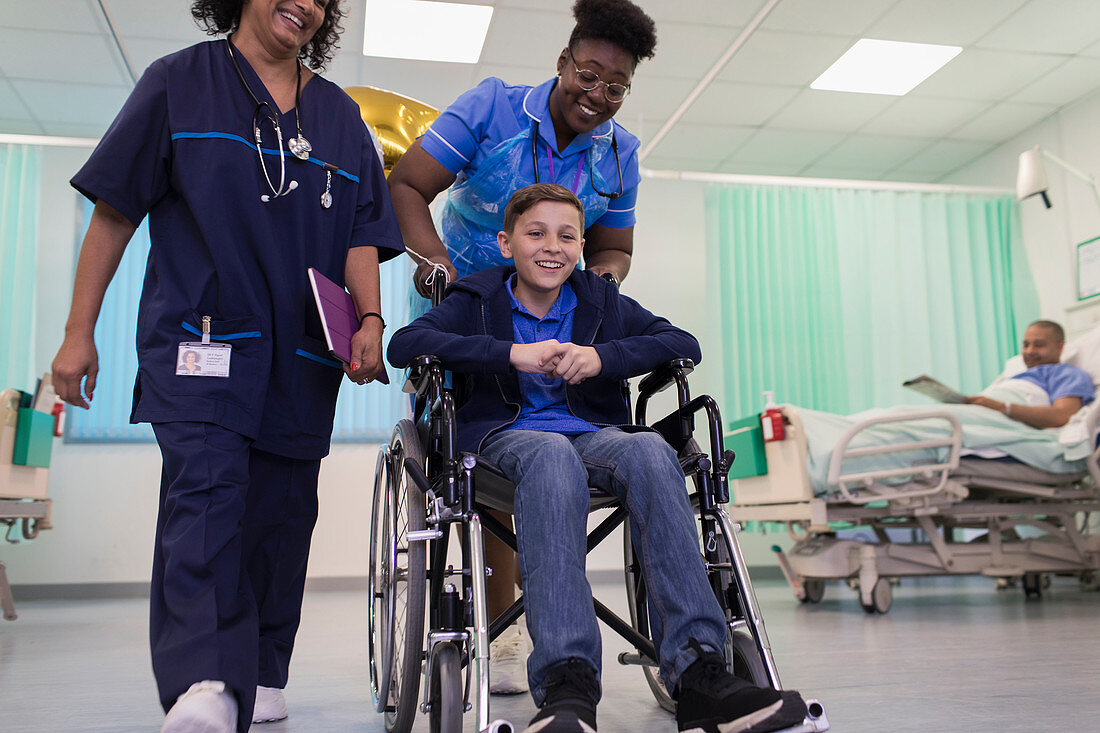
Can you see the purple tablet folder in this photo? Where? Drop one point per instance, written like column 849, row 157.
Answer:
column 338, row 320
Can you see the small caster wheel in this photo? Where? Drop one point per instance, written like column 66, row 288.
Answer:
column 1033, row 585
column 813, row 590
column 882, row 596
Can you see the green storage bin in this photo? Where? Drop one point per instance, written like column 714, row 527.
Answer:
column 33, row 438
column 746, row 438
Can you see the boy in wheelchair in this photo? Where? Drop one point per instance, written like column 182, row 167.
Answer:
column 544, row 348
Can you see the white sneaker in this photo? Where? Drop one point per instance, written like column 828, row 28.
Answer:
column 206, row 707
column 508, row 661
column 270, row 705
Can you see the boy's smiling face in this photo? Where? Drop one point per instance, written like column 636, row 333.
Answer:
column 546, row 244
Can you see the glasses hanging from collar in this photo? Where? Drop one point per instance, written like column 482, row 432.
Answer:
column 264, row 112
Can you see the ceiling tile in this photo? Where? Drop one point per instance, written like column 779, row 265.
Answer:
column 13, row 106
column 655, row 98
column 838, row 111
column 528, row 75
column 20, row 127
column 74, row 129
column 943, row 157
column 842, row 17
column 74, row 57
column 708, row 142
column 925, row 116
column 710, row 12
column 434, row 83
column 1070, row 81
column 1047, row 26
column 978, row 74
column 687, row 51
column 880, row 152
column 68, row 102
column 144, row 51
column 758, row 169
column 78, row 16
column 794, row 59
column 739, row 104
column 511, row 37
column 688, row 163
column 912, row 176
column 786, row 147
column 165, row 19
column 948, row 22
column 1003, row 121
column 1092, row 50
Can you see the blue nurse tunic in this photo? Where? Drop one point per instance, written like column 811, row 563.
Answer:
column 182, row 151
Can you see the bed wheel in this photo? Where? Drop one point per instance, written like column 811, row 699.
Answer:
column 882, row 596
column 1033, row 585
column 813, row 590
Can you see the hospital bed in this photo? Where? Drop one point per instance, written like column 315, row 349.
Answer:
column 871, row 521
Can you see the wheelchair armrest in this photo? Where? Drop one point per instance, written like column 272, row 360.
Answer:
column 663, row 376
column 421, row 370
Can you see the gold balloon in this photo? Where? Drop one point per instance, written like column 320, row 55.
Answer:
column 397, row 120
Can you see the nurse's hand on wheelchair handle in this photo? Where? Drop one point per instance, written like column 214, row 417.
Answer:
column 76, row 359
column 424, row 271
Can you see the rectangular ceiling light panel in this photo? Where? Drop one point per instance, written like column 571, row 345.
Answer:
column 427, row 31
column 884, row 67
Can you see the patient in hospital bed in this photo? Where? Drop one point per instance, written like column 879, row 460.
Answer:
column 1048, row 393
column 1037, row 412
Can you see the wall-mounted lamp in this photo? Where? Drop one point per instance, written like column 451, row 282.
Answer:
column 1031, row 177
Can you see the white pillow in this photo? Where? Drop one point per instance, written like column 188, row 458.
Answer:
column 1084, row 352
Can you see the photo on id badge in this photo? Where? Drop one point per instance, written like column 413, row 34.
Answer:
column 203, row 360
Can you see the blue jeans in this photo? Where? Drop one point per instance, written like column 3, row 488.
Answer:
column 553, row 473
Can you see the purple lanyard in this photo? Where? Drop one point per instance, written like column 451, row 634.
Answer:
column 550, row 161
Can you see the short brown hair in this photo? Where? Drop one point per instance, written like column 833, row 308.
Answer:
column 1055, row 328
column 536, row 193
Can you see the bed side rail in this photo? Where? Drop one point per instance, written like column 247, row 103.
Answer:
column 870, row 489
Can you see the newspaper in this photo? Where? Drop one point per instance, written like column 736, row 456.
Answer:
column 935, row 389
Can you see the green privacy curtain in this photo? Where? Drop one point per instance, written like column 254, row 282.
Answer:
column 19, row 195
column 833, row 297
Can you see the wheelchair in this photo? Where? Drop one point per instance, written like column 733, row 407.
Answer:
column 425, row 491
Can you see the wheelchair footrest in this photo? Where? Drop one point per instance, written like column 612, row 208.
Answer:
column 815, row 721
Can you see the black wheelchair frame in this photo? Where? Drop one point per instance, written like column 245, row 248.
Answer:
column 424, row 486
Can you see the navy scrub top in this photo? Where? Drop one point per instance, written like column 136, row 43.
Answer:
column 180, row 151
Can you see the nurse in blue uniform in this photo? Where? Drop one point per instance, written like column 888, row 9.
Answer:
column 497, row 138
column 251, row 169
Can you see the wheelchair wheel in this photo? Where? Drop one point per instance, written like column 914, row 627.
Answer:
column 397, row 582
column 445, row 688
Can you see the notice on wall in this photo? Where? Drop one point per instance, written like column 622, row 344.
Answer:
column 1088, row 269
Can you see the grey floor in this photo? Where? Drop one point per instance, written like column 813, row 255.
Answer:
column 952, row 655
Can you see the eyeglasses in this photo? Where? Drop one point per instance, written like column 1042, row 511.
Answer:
column 589, row 80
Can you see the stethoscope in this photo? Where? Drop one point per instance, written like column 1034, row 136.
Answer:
column 576, row 179
column 299, row 146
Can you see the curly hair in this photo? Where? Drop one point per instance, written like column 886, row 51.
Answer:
column 224, row 16
column 619, row 21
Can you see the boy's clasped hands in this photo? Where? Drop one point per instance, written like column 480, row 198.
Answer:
column 552, row 358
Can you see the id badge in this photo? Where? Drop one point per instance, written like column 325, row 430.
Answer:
column 197, row 359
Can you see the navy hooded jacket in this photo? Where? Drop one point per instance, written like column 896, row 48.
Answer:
column 471, row 334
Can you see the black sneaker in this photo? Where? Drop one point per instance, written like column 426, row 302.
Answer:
column 572, row 692
column 711, row 700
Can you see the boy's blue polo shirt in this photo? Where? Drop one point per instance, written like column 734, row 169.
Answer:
column 544, row 407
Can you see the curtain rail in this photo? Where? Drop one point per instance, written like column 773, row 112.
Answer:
column 49, row 141
column 820, row 182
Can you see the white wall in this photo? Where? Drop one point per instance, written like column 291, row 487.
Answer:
column 1052, row 235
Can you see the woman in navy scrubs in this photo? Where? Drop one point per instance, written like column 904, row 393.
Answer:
column 251, row 169
column 497, row 138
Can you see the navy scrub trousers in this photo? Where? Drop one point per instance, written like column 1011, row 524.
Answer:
column 233, row 538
